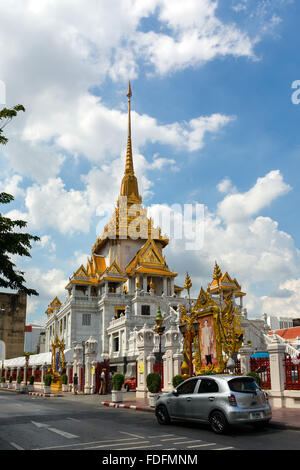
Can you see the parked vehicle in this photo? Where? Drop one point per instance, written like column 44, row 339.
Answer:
column 130, row 384
column 220, row 400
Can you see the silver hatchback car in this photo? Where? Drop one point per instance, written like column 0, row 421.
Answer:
column 220, row 400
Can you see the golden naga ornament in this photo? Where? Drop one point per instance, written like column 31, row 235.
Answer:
column 57, row 363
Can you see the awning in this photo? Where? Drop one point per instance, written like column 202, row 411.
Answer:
column 260, row 354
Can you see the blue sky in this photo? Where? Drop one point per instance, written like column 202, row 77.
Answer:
column 212, row 122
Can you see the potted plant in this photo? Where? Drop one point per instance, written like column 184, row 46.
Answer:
column 47, row 383
column 10, row 384
column 117, row 382
column 64, row 383
column 3, row 383
column 153, row 382
column 19, row 380
column 30, row 385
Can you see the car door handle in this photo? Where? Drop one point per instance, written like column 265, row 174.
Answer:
column 211, row 398
column 188, row 399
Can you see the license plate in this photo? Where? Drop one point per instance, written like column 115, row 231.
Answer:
column 257, row 415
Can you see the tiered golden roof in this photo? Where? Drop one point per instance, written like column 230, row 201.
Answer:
column 224, row 283
column 54, row 305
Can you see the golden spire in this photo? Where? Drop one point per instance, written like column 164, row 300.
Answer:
column 129, row 186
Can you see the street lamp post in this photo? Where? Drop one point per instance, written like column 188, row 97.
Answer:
column 2, row 333
column 26, row 367
column 159, row 329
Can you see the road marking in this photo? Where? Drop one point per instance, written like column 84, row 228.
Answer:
column 40, row 425
column 187, row 442
column 173, row 438
column 74, row 419
column 161, row 435
column 133, row 435
column 143, row 447
column 83, row 444
column 225, row 448
column 63, row 433
column 203, row 445
column 16, row 446
column 57, row 431
column 118, row 444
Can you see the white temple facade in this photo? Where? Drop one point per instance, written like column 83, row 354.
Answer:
column 124, row 282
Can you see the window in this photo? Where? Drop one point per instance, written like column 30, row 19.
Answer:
column 116, row 344
column 119, row 311
column 86, row 319
column 145, row 310
column 208, row 386
column 243, row 385
column 187, row 387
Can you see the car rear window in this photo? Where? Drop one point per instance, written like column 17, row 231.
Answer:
column 243, row 385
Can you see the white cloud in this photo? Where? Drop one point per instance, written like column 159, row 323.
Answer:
column 49, row 284
column 286, row 303
column 195, row 36
column 244, row 205
column 225, row 186
column 51, row 205
column 46, row 242
column 11, row 186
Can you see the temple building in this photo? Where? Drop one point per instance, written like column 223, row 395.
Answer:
column 125, row 280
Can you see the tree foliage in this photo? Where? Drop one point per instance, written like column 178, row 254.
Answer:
column 11, row 242
column 6, row 115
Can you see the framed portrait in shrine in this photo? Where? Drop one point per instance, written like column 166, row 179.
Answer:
column 207, row 341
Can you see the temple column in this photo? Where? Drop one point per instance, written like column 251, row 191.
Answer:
column 145, row 279
column 165, row 285
column 172, row 286
column 245, row 355
column 145, row 343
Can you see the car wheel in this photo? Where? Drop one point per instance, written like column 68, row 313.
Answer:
column 218, row 422
column 127, row 388
column 162, row 415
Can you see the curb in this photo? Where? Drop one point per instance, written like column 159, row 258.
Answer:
column 36, row 394
column 131, row 407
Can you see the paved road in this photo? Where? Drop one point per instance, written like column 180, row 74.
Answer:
column 36, row 423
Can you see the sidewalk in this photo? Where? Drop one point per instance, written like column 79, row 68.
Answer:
column 283, row 418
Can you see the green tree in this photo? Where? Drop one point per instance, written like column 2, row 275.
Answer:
column 6, row 116
column 11, row 242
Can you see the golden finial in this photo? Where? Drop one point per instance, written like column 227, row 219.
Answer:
column 188, row 283
column 129, row 92
column 217, row 273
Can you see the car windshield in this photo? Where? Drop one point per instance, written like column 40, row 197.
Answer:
column 243, row 385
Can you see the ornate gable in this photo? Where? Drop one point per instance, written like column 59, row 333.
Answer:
column 149, row 255
column 81, row 273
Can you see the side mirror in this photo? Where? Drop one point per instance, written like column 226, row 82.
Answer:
column 175, row 393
